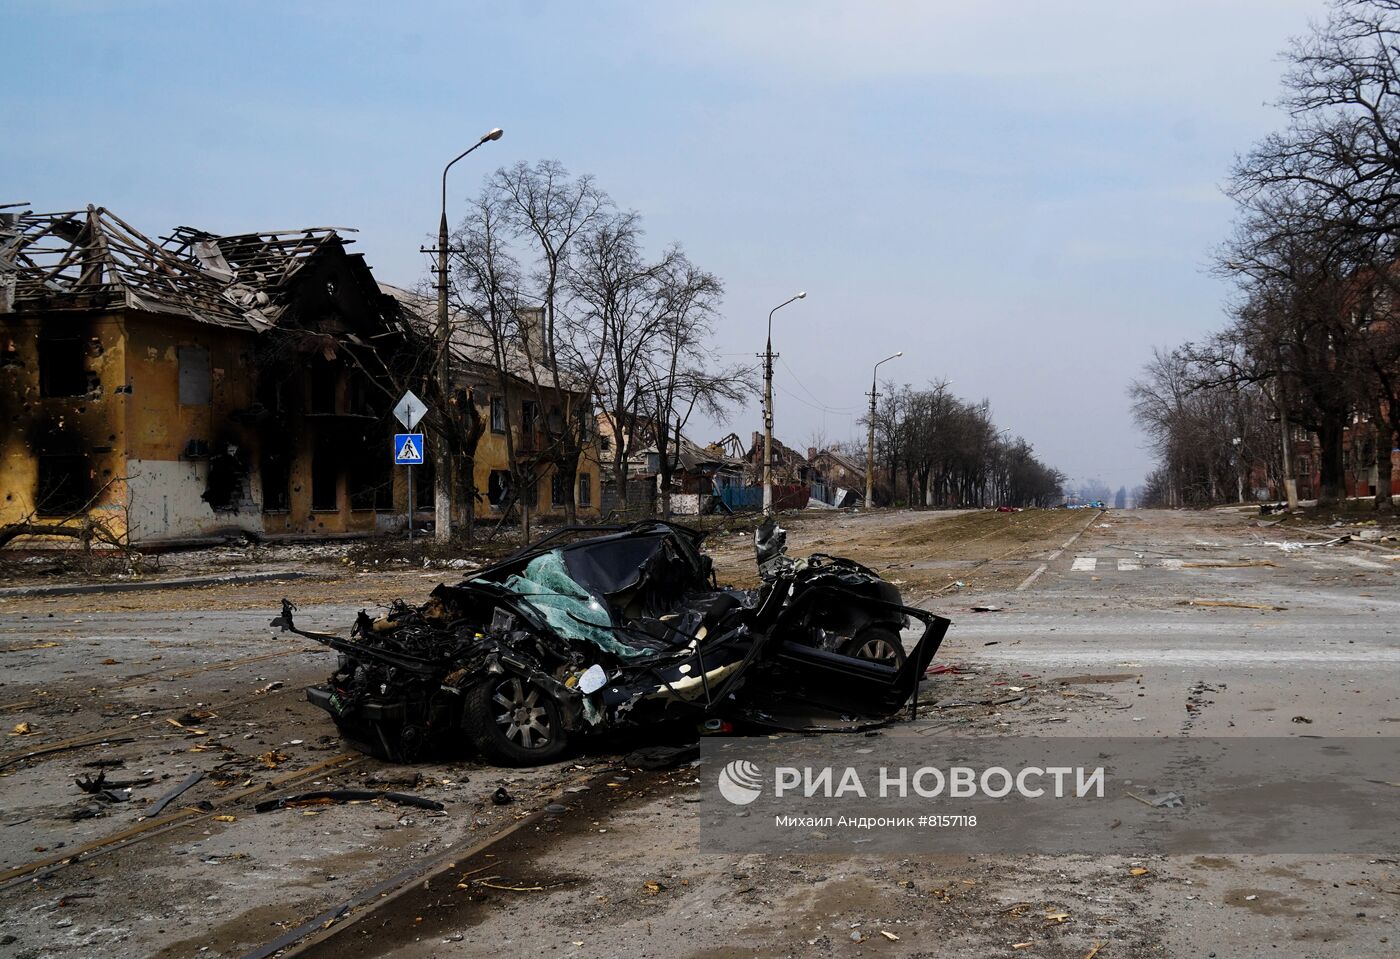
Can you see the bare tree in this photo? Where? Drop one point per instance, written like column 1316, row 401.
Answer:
column 681, row 375
column 488, row 294
column 551, row 210
column 620, row 303
column 1319, row 236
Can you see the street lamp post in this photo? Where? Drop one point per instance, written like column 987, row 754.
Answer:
column 442, row 501
column 870, row 437
column 768, row 408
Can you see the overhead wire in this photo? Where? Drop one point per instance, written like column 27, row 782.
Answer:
column 817, row 404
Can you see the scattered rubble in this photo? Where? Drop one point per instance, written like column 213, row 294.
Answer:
column 328, row 797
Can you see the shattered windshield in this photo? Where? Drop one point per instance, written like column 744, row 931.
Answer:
column 610, row 566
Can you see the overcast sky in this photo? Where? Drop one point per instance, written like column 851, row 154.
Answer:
column 1022, row 196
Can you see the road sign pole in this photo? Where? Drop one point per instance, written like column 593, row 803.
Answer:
column 409, row 450
column 408, row 411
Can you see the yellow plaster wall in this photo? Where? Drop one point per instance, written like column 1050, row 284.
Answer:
column 93, row 424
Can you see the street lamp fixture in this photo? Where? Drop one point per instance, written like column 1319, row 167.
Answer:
column 870, row 437
column 442, row 504
column 768, row 407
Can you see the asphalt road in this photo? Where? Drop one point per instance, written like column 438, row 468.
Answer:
column 1113, row 625
column 1187, row 598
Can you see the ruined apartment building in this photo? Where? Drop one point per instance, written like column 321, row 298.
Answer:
column 520, row 407
column 194, row 387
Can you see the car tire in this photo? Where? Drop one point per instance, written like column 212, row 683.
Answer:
column 513, row 722
column 878, row 643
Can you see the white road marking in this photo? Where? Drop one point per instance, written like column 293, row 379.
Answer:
column 1084, row 564
column 1128, row 565
column 1173, row 563
column 1032, row 577
column 1217, row 656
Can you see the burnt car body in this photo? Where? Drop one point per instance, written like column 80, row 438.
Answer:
column 603, row 628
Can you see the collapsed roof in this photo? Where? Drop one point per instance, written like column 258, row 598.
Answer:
column 93, row 259
column 472, row 344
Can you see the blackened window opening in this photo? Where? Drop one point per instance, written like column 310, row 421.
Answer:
column 65, row 484
column 63, row 366
column 325, row 475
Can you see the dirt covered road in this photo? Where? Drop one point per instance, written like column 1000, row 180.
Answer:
column 595, row 857
column 923, row 553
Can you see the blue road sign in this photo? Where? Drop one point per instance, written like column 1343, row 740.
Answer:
column 408, row 449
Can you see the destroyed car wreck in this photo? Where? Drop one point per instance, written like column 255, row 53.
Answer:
column 605, row 628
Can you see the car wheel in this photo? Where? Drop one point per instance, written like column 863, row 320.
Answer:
column 880, row 644
column 513, row 722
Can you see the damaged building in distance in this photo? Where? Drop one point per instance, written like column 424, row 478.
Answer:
column 205, row 385
column 193, row 387
column 523, row 409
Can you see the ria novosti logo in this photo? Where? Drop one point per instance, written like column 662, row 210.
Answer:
column 740, row 782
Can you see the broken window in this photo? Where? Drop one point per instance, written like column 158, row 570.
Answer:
column 9, row 354
column 270, row 392
column 324, row 381
column 358, row 399
column 194, row 375
column 371, row 480
column 498, row 487
column 63, row 365
column 529, row 415
column 558, row 489
column 585, row 490
column 276, row 480
column 325, row 476
column 224, row 491
column 498, row 415
column 65, row 484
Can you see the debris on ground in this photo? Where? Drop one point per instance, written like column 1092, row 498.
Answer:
column 184, row 785
column 392, row 778
column 106, row 789
column 1169, row 800
column 1293, row 547
column 330, row 797
column 1234, row 604
column 658, row 758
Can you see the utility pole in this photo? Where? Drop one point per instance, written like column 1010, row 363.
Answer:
column 442, row 499
column 768, row 408
column 870, row 437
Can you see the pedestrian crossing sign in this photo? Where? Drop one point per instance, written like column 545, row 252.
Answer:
column 408, row 449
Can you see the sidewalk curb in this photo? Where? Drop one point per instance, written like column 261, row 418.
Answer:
column 182, row 582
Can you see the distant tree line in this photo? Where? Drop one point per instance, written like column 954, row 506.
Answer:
column 933, row 449
column 1312, row 343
